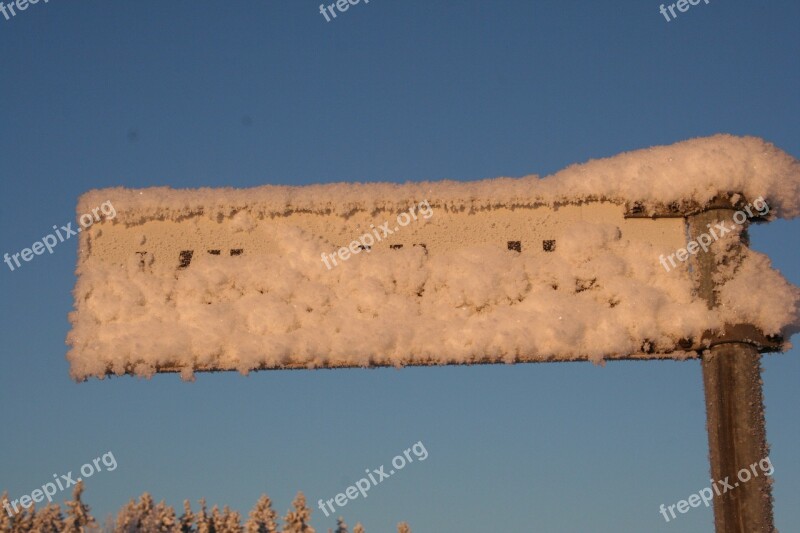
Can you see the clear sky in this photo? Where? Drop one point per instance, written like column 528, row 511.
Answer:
column 244, row 93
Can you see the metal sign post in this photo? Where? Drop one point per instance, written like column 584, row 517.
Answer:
column 734, row 402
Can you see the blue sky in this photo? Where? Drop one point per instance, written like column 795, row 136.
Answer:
column 244, row 93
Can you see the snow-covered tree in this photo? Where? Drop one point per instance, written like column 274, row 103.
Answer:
column 78, row 513
column 23, row 521
column 161, row 519
column 49, row 519
column 263, row 519
column 6, row 522
column 168, row 518
column 145, row 516
column 187, row 518
column 217, row 524
column 204, row 524
column 231, row 521
column 297, row 520
column 128, row 519
column 132, row 517
column 145, row 505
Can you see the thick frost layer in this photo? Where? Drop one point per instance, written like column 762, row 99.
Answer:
column 597, row 296
column 695, row 170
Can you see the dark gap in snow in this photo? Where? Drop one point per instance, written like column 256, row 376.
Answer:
column 186, row 258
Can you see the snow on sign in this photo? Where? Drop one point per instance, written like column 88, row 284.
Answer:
column 530, row 269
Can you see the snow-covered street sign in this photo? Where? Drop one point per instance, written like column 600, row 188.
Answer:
column 582, row 265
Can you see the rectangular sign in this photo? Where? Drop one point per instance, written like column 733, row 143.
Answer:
column 429, row 284
column 592, row 263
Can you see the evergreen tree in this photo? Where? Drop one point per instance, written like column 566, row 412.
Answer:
column 143, row 516
column 263, row 519
column 187, row 518
column 297, row 521
column 203, row 523
column 6, row 521
column 161, row 519
column 49, row 519
column 23, row 521
column 231, row 521
column 78, row 513
column 133, row 517
column 217, row 524
column 128, row 520
column 145, row 505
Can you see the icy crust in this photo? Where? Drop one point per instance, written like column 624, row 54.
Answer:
column 596, row 296
column 694, row 170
